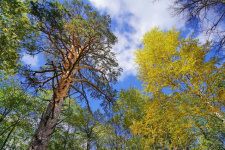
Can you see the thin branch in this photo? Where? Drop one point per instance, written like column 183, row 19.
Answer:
column 89, row 67
column 84, row 96
column 83, row 80
column 55, row 73
column 44, row 71
column 14, row 125
column 62, row 53
column 43, row 81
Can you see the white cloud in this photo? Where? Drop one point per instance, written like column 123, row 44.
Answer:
column 30, row 60
column 134, row 18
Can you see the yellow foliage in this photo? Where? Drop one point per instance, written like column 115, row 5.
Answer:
column 168, row 62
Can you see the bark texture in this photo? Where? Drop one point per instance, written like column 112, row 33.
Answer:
column 48, row 122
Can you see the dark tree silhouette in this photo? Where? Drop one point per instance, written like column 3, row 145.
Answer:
column 206, row 16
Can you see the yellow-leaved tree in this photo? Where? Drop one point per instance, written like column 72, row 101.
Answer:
column 193, row 81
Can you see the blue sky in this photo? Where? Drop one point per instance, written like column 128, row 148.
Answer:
column 131, row 19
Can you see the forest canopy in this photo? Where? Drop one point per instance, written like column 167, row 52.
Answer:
column 180, row 104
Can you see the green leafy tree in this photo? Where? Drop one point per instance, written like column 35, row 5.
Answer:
column 17, row 33
column 19, row 113
column 77, row 128
column 128, row 108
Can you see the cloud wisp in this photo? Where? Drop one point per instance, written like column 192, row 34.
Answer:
column 131, row 19
column 30, row 60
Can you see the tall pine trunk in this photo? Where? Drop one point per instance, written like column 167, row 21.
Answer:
column 49, row 120
column 79, row 39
